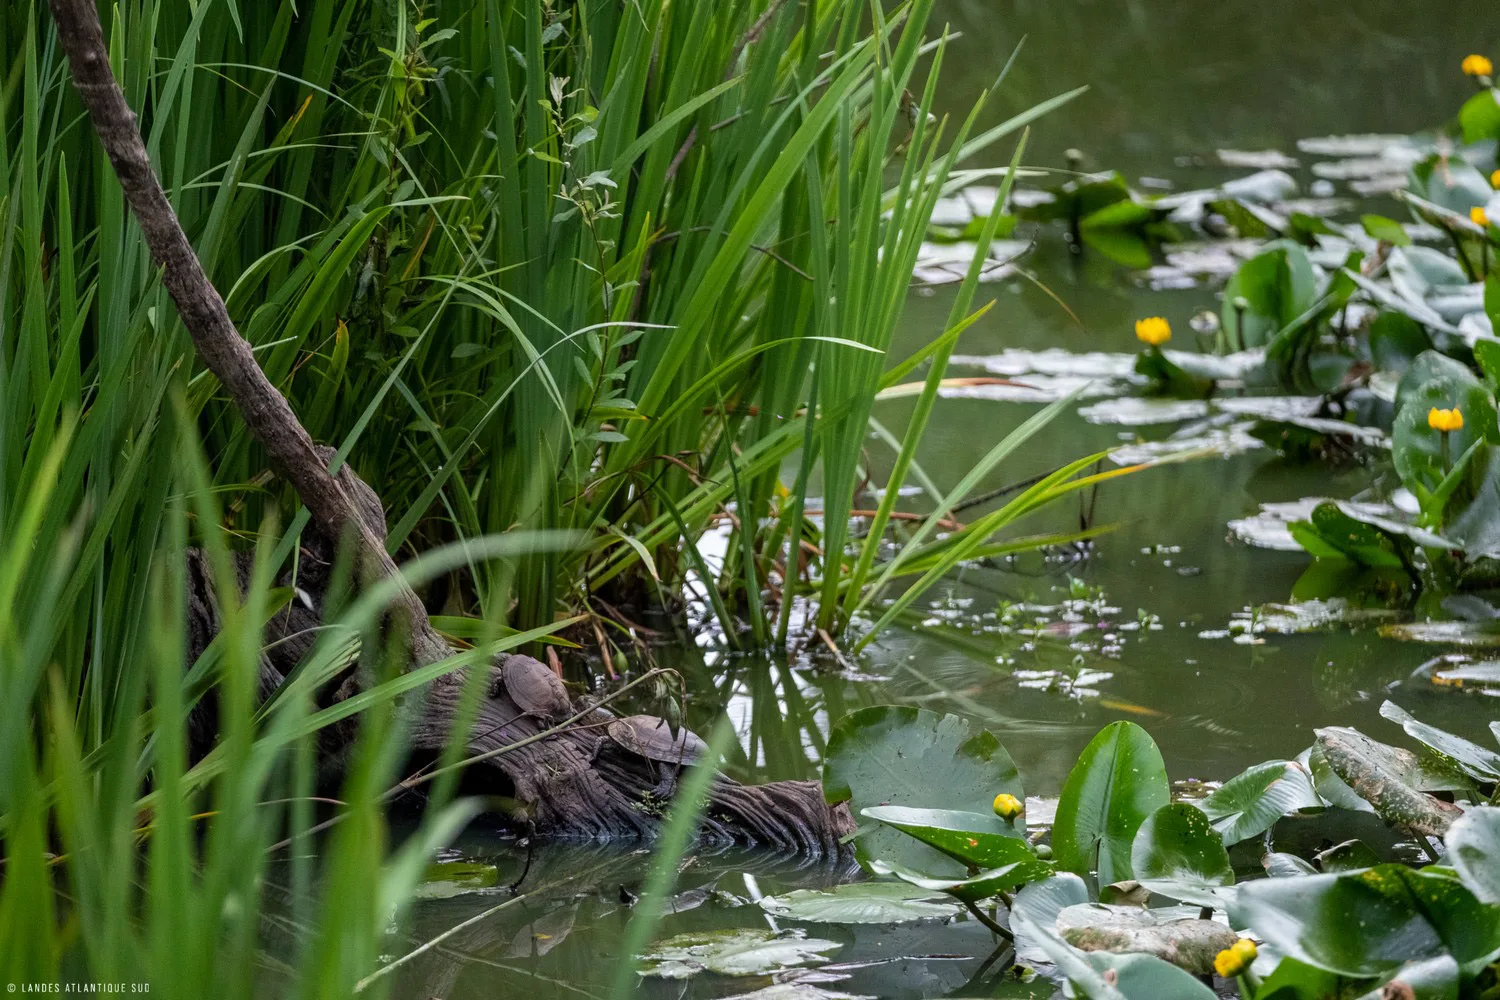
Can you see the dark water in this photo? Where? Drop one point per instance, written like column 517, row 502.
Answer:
column 1171, row 83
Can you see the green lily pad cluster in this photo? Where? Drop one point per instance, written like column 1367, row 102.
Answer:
column 1452, row 540
column 1133, row 896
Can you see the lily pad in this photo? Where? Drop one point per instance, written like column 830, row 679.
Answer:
column 1388, row 778
column 1279, row 864
column 1100, row 975
column 744, row 951
column 1191, row 442
column 1483, row 676
column 1136, row 411
column 1118, row 781
column 797, row 991
column 454, row 878
column 1474, row 851
column 970, row 890
column 1187, row 942
column 1479, row 763
column 1251, row 802
column 1484, row 634
column 1362, row 144
column 861, row 903
column 1330, row 787
column 1178, row 853
column 1402, row 916
column 1349, row 856
column 888, row 755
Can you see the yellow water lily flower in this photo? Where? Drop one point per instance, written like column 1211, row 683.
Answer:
column 1235, row 959
column 1477, row 65
column 1445, row 420
column 1008, row 807
column 1479, row 216
column 1153, row 330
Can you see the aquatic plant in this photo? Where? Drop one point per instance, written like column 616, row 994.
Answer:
column 1093, row 914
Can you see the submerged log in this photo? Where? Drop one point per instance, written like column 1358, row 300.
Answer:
column 573, row 782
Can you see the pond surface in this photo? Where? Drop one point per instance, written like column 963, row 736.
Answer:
column 1150, row 623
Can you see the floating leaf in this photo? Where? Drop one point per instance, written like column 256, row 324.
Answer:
column 1118, row 781
column 1477, row 762
column 1037, row 906
column 1178, row 853
column 969, row 890
column 860, row 903
column 888, row 755
column 796, row 991
column 1370, row 923
column 963, row 836
column 1351, row 855
column 1388, row 778
column 1474, row 851
column 1251, row 802
column 1279, row 864
column 1277, row 285
column 1102, row 975
column 737, row 952
column 454, row 878
column 1294, row 980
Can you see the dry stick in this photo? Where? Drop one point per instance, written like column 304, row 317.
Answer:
column 220, row 346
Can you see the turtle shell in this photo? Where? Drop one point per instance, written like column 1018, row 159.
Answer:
column 649, row 736
column 534, row 688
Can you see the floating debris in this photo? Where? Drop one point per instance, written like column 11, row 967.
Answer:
column 1138, row 411
column 1369, row 144
column 1267, row 529
column 744, row 951
column 1257, row 159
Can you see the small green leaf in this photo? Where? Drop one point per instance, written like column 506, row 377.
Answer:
column 1477, row 762
column 887, row 755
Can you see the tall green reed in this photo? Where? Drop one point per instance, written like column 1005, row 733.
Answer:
column 623, row 271
column 535, row 265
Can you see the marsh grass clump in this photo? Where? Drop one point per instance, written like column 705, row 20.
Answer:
column 543, row 271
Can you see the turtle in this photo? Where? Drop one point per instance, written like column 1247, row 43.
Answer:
column 534, row 688
column 649, row 736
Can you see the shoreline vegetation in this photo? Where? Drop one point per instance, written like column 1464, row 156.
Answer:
column 584, row 292
column 561, row 350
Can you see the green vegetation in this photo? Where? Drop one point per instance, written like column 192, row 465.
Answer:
column 579, row 288
column 1344, row 923
column 622, row 272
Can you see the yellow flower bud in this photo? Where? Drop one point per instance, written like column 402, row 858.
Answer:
column 1008, row 807
column 1479, row 216
column 1445, row 420
column 1153, row 330
column 1477, row 65
column 1234, row 960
